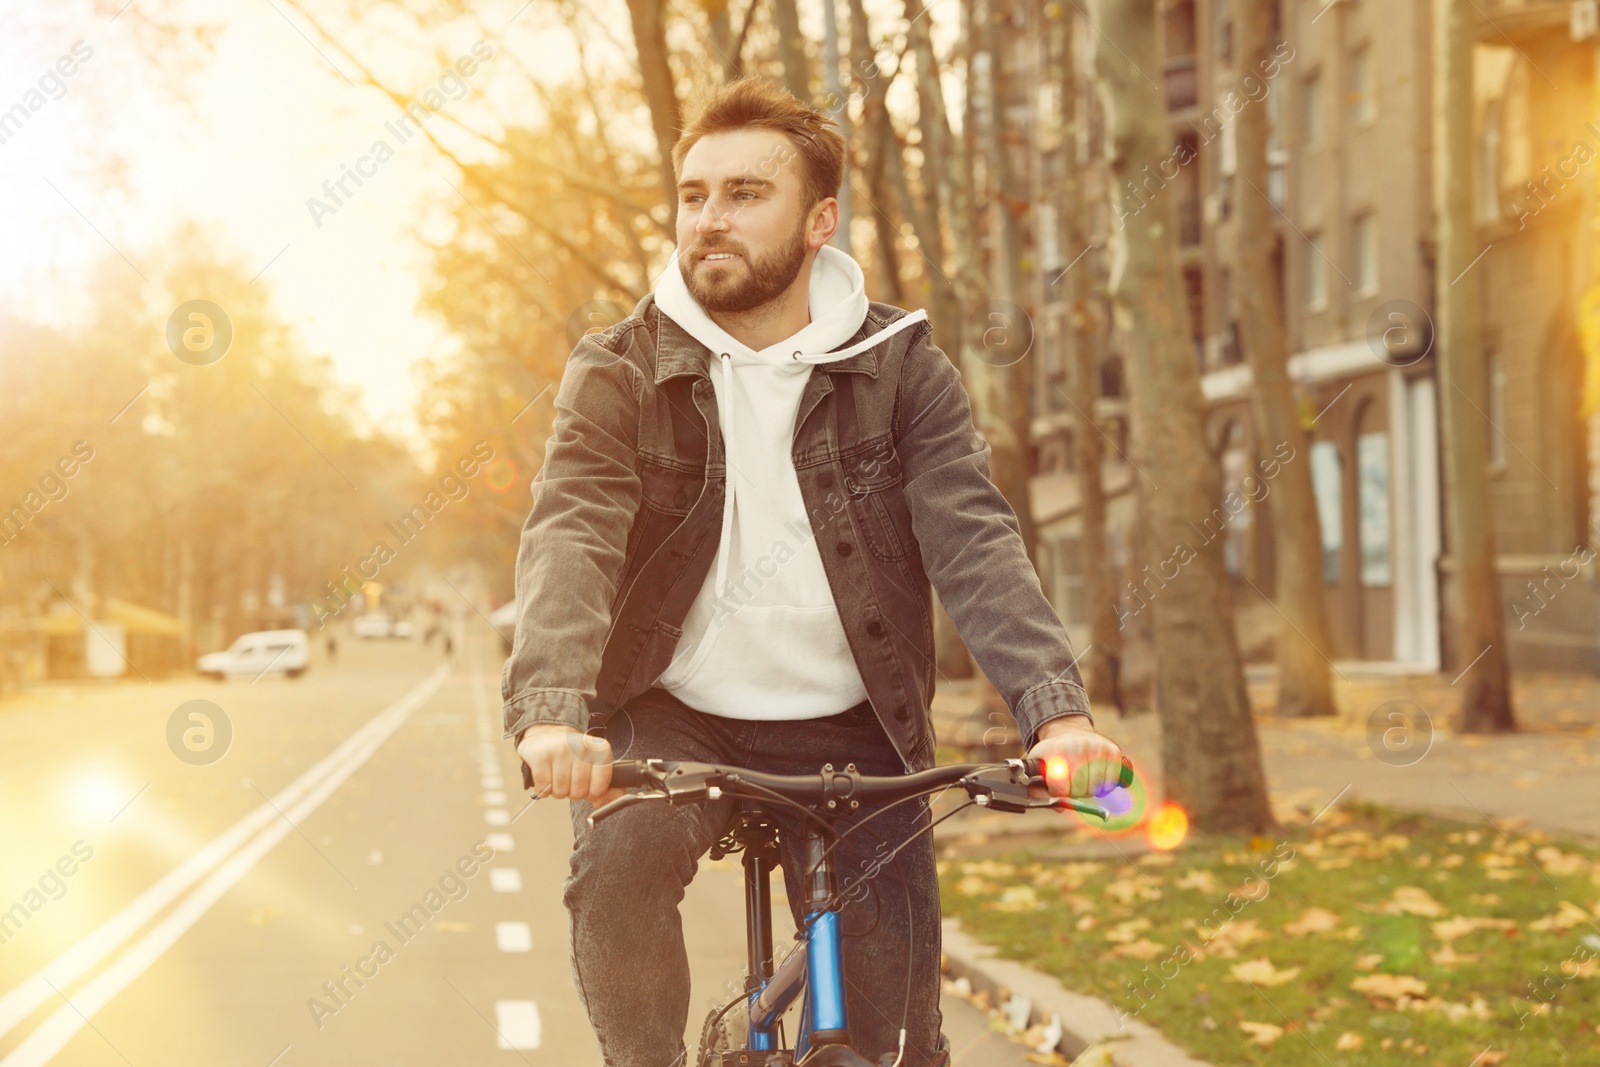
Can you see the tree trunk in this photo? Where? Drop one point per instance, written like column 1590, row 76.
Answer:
column 838, row 109
column 666, row 119
column 1305, row 681
column 1007, row 318
column 791, row 49
column 1102, row 660
column 876, row 145
column 1480, row 650
column 1211, row 757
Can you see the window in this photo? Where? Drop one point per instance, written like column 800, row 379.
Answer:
column 1365, row 240
column 1363, row 106
column 1497, row 411
column 1313, row 110
column 1327, row 486
column 1316, row 273
column 1372, row 487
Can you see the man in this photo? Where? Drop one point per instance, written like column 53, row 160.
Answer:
column 751, row 482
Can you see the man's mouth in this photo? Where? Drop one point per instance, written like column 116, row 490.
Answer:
column 718, row 257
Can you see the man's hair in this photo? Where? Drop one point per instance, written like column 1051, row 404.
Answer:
column 757, row 102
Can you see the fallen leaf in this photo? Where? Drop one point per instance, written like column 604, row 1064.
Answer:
column 1349, row 1041
column 1262, row 971
column 1392, row 986
column 1413, row 900
column 1461, row 925
column 1312, row 921
column 1449, row 957
column 1264, row 1034
column 1125, row 932
column 1565, row 918
column 1142, row 949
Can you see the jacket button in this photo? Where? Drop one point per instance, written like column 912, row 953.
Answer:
column 875, row 628
column 825, row 479
column 901, row 714
column 843, row 548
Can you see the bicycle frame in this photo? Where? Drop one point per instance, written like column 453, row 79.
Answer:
column 815, row 968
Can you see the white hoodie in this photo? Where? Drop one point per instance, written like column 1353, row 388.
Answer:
column 763, row 639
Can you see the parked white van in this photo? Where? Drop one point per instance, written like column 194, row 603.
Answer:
column 264, row 652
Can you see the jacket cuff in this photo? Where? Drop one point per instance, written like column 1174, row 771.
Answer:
column 1046, row 701
column 565, row 706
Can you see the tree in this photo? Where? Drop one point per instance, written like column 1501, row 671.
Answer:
column 1475, row 592
column 1211, row 757
column 1305, row 683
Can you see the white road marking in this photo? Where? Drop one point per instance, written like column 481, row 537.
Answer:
column 518, row 1023
column 494, row 781
column 513, row 937
column 59, row 1028
column 18, row 1003
column 505, row 879
column 494, row 798
column 497, row 817
column 501, row 842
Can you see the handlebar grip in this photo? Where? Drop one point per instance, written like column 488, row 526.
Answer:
column 626, row 773
column 1034, row 768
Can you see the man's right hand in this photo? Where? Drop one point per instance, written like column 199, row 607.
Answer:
column 568, row 763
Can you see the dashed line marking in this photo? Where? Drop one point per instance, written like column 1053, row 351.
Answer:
column 513, row 937
column 496, row 798
column 497, row 817
column 518, row 1023
column 505, row 879
column 501, row 842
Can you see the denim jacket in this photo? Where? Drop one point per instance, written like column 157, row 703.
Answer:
column 627, row 512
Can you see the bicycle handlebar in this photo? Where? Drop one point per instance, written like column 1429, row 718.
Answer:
column 1000, row 786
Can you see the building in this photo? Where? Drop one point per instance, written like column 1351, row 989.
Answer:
column 1349, row 98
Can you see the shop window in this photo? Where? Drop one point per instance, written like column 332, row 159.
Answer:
column 1327, row 483
column 1372, row 493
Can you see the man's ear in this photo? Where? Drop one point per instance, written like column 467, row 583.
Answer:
column 824, row 221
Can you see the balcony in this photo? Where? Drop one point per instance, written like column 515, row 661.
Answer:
column 1183, row 82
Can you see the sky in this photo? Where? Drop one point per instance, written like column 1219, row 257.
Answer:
column 123, row 151
column 111, row 165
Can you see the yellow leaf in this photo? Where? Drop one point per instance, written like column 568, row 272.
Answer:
column 1123, row 933
column 1413, row 900
column 1262, row 972
column 1461, row 925
column 1392, row 986
column 1263, row 1034
column 1349, row 1041
column 1142, row 949
column 1312, row 921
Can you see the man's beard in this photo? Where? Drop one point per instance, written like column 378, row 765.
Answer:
column 720, row 289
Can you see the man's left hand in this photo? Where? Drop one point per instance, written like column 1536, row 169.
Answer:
column 1094, row 761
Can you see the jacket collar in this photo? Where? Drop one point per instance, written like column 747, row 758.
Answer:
column 678, row 353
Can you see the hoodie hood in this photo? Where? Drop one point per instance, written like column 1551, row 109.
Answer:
column 838, row 306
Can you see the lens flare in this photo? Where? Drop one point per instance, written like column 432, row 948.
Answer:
column 1056, row 769
column 1167, row 827
column 500, row 474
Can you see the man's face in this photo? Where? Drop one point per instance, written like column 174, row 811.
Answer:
column 743, row 233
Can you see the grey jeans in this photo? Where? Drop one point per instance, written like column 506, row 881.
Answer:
column 629, row 874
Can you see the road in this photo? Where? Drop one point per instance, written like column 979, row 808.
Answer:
column 352, row 877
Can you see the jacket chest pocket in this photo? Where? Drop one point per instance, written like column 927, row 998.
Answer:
column 872, row 482
column 668, row 490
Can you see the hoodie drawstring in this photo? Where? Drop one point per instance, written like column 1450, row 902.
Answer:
column 726, row 540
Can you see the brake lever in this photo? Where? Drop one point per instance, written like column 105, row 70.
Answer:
column 626, row 800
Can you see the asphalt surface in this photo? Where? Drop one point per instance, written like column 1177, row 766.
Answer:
column 352, row 877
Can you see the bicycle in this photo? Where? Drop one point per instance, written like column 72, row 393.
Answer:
column 814, row 968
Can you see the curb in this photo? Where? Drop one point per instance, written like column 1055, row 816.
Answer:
column 1086, row 1022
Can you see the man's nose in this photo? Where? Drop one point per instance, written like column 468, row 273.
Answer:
column 713, row 218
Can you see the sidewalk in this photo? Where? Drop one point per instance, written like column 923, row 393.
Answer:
column 1392, row 744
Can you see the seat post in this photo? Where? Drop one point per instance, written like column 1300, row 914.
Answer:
column 760, row 857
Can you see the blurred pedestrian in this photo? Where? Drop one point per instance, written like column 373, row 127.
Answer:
column 449, row 645
column 333, row 647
